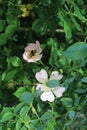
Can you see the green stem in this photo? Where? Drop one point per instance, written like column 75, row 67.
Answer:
column 42, row 63
column 35, row 112
column 22, row 120
column 52, row 107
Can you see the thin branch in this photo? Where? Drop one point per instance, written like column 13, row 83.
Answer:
column 57, row 31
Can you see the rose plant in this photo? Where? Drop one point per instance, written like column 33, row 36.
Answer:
column 43, row 65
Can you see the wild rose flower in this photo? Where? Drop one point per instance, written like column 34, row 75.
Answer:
column 49, row 94
column 33, row 52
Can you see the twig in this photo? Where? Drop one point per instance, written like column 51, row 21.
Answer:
column 57, row 31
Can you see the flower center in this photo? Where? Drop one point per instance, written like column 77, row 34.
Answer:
column 32, row 53
column 46, row 88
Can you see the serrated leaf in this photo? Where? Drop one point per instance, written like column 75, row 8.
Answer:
column 15, row 61
column 12, row 19
column 18, row 124
column 80, row 90
column 69, row 123
column 18, row 107
column 23, row 128
column 10, row 29
column 19, row 91
column 77, row 51
column 3, row 39
column 10, row 75
column 53, row 54
column 26, row 97
column 78, row 12
column 71, row 114
column 76, row 24
column 84, row 80
column 2, row 24
column 46, row 116
column 39, row 26
column 7, row 116
column 33, row 124
column 24, row 111
column 67, row 102
column 67, row 29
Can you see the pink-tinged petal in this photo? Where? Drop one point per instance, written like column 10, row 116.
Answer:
column 32, row 52
column 58, row 92
column 38, row 48
column 42, row 76
column 40, row 86
column 55, row 75
column 47, row 96
column 31, row 46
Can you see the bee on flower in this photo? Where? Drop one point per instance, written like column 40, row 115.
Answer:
column 33, row 52
column 49, row 93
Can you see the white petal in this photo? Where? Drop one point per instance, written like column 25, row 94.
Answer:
column 47, row 96
column 31, row 60
column 55, row 75
column 59, row 91
column 39, row 57
column 40, row 86
column 24, row 56
column 42, row 76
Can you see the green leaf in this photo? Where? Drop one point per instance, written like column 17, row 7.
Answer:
column 52, row 83
column 69, row 123
column 39, row 26
column 33, row 124
column 47, row 2
column 77, row 51
column 81, row 90
column 71, row 114
column 26, row 97
column 23, row 128
column 46, row 116
column 52, row 25
column 18, row 107
column 24, row 111
column 19, row 2
column 1, row 127
column 67, row 102
column 67, row 29
column 12, row 18
column 18, row 124
column 15, row 61
column 26, row 81
column 7, row 116
column 77, row 26
column 10, row 30
column 19, row 91
column 78, row 12
column 3, row 39
column 52, row 44
column 2, row 24
column 84, row 80
column 10, row 75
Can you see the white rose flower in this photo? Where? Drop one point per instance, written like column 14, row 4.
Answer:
column 49, row 93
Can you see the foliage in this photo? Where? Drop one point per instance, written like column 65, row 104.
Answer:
column 61, row 28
